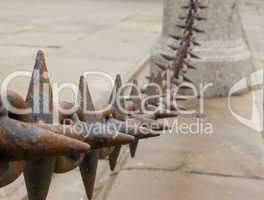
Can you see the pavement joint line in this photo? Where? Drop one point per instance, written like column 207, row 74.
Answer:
column 173, row 169
column 194, row 172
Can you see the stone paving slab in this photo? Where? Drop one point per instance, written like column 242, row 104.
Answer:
column 227, row 164
column 78, row 35
column 157, row 185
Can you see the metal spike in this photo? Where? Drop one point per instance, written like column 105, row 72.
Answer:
column 132, row 128
column 133, row 148
column 149, row 122
column 113, row 157
column 39, row 95
column 196, row 43
column 10, row 171
column 187, row 79
column 168, row 57
column 88, row 169
column 194, row 56
column 189, row 65
column 116, row 101
column 174, row 48
column 38, row 173
column 198, row 30
column 30, row 143
column 162, row 66
column 136, row 99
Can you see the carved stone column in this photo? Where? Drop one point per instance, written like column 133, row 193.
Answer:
column 224, row 52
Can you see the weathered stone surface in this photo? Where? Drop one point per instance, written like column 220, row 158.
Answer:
column 227, row 164
column 225, row 55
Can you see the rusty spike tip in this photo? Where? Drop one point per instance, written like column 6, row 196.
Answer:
column 162, row 66
column 196, row 43
column 30, row 143
column 187, row 79
column 133, row 148
column 121, row 139
column 189, row 65
column 85, row 100
column 174, row 48
column 10, row 171
column 40, row 55
column 146, row 133
column 116, row 87
column 88, row 169
column 200, row 18
column 168, row 57
column 134, row 91
column 132, row 128
column 198, row 30
column 194, row 55
column 166, row 114
column 175, row 37
column 113, row 157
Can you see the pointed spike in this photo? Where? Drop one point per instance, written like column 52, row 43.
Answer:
column 198, row 30
column 175, row 37
column 201, row 18
column 148, row 121
column 168, row 57
column 189, row 65
column 148, row 77
column 113, row 157
column 174, row 48
column 118, row 101
column 194, row 56
column 166, row 114
column 41, row 102
column 136, row 97
column 202, row 6
column 88, row 169
column 133, row 148
column 38, row 175
column 162, row 66
column 100, row 135
column 196, row 43
column 33, row 143
column 187, row 79
column 86, row 102
column 10, row 171
column 181, row 26
column 132, row 128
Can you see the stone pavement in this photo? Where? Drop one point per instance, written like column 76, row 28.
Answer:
column 225, row 165
column 77, row 36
